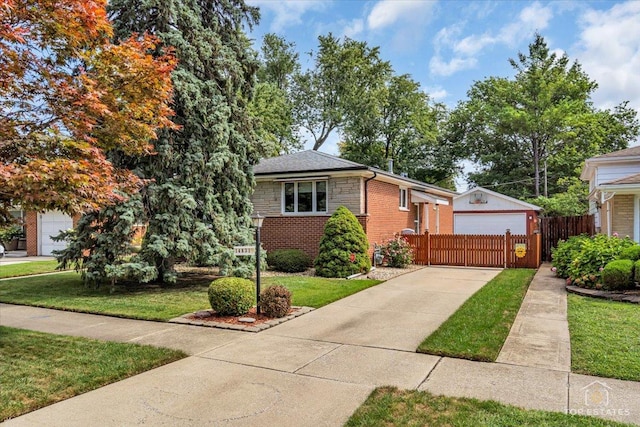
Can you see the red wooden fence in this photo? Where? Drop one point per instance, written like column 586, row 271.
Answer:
column 470, row 250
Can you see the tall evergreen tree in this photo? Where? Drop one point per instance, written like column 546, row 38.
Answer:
column 197, row 201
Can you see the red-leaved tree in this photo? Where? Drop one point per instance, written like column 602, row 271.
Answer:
column 68, row 96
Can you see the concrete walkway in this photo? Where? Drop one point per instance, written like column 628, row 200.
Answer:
column 314, row 370
column 539, row 336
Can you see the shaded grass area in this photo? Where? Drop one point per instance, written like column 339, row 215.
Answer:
column 389, row 406
column 65, row 291
column 39, row 369
column 605, row 337
column 27, row 268
column 478, row 329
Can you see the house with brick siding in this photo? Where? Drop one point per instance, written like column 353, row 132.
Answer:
column 298, row 192
column 614, row 192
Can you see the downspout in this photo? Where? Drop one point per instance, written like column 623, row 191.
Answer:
column 437, row 218
column 366, row 193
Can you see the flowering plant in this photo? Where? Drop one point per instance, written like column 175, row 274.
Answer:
column 397, row 252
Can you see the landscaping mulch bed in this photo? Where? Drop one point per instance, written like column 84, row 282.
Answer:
column 261, row 322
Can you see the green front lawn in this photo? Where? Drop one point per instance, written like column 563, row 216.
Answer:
column 27, row 268
column 388, row 406
column 478, row 329
column 39, row 369
column 604, row 337
column 65, row 291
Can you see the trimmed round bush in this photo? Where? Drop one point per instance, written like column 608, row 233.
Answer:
column 231, row 296
column 618, row 275
column 636, row 271
column 343, row 247
column 275, row 301
column 288, row 260
column 632, row 253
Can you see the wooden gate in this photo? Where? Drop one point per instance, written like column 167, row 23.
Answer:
column 470, row 250
column 555, row 228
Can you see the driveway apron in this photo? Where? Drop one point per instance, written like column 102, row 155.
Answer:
column 314, row 370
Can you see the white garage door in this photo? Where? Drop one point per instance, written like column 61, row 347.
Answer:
column 489, row 223
column 50, row 224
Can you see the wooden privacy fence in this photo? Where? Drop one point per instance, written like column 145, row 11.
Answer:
column 555, row 228
column 471, row 250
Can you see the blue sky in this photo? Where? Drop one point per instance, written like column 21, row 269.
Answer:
column 447, row 45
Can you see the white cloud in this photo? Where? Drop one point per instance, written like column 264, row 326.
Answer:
column 288, row 13
column 436, row 93
column 532, row 18
column 353, row 28
column 388, row 12
column 609, row 51
column 439, row 67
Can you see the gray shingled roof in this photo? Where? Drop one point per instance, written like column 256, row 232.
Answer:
column 304, row 161
column 627, row 152
column 631, row 179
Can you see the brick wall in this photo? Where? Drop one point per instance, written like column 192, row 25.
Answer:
column 445, row 214
column 31, row 231
column 385, row 216
column 296, row 232
column 622, row 215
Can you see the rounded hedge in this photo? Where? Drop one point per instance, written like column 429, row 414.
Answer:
column 231, row 296
column 632, row 253
column 618, row 275
column 636, row 271
column 275, row 301
column 288, row 260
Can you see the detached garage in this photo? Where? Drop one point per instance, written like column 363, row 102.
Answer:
column 39, row 229
column 482, row 211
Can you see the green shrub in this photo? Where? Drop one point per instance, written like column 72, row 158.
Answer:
column 636, row 271
column 275, row 301
column 565, row 252
column 397, row 252
column 231, row 296
column 618, row 275
column 343, row 247
column 632, row 253
column 288, row 260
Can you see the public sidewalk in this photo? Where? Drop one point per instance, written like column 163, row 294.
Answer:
column 314, row 370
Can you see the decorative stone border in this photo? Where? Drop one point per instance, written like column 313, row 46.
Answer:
column 244, row 328
column 613, row 296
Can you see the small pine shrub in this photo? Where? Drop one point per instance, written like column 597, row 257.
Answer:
column 275, row 301
column 636, row 271
column 343, row 247
column 618, row 275
column 231, row 296
column 632, row 253
column 288, row 260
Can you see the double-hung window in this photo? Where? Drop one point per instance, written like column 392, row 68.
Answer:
column 404, row 203
column 305, row 197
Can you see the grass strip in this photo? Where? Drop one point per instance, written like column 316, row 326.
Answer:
column 389, row 406
column 478, row 329
column 39, row 369
column 65, row 291
column 27, row 268
column 604, row 337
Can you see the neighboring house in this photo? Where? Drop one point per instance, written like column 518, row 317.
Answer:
column 482, row 211
column 40, row 226
column 614, row 192
column 298, row 192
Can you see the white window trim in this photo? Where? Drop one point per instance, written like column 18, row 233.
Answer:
column 406, row 199
column 314, row 207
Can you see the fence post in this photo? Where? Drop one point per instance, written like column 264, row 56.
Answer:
column 428, row 239
column 507, row 249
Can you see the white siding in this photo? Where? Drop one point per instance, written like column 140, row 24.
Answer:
column 608, row 173
column 494, row 203
column 489, row 223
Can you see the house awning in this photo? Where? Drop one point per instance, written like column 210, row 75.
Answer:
column 420, row 197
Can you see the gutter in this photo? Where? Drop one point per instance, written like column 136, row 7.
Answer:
column 366, row 192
